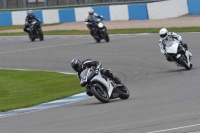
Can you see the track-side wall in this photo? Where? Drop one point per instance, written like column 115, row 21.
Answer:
column 156, row 10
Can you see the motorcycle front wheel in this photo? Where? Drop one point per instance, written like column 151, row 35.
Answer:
column 31, row 37
column 100, row 93
column 123, row 92
column 183, row 62
column 97, row 40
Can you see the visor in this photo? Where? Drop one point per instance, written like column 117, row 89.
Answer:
column 163, row 35
column 91, row 13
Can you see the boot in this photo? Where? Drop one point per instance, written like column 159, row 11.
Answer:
column 89, row 93
column 185, row 46
column 117, row 80
column 190, row 54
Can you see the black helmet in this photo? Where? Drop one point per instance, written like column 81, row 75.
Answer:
column 76, row 64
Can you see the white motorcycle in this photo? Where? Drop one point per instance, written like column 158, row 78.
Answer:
column 102, row 87
column 179, row 55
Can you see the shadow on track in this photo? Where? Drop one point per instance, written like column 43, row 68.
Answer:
column 99, row 103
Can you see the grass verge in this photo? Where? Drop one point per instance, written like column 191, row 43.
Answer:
column 19, row 89
column 22, row 26
column 110, row 31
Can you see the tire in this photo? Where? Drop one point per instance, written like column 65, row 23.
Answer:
column 191, row 65
column 31, row 38
column 41, row 36
column 123, row 92
column 106, row 36
column 183, row 62
column 97, row 40
column 102, row 96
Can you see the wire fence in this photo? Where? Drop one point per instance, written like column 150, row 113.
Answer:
column 10, row 4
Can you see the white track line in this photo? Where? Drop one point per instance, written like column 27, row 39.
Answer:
column 39, row 48
column 159, row 131
column 20, row 50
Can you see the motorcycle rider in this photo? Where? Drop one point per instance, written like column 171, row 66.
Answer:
column 166, row 37
column 29, row 19
column 89, row 18
column 79, row 66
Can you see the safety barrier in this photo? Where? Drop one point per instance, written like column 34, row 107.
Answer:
column 194, row 6
column 156, row 10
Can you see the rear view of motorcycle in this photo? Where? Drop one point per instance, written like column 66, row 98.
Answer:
column 35, row 31
column 102, row 87
column 99, row 31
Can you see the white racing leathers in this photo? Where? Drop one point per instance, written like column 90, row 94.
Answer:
column 175, row 50
column 90, row 18
column 172, row 36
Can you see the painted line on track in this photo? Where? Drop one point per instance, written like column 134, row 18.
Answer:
column 20, row 50
column 165, row 130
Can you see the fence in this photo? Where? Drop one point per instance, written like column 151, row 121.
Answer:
column 9, row 4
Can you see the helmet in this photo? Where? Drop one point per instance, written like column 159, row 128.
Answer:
column 91, row 12
column 163, row 33
column 76, row 64
column 30, row 13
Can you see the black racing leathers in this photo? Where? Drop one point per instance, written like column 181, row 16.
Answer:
column 98, row 65
column 28, row 21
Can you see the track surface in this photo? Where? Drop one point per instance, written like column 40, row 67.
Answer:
column 164, row 98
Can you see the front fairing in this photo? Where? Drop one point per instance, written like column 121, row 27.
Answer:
column 106, row 82
column 86, row 75
column 172, row 48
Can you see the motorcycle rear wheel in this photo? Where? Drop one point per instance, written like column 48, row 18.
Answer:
column 100, row 93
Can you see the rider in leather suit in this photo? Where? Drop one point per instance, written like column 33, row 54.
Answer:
column 166, row 37
column 89, row 18
column 29, row 19
column 79, row 66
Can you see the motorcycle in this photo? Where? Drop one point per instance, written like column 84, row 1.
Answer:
column 179, row 55
column 99, row 31
column 35, row 31
column 102, row 87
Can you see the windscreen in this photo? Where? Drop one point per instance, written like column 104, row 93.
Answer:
column 84, row 73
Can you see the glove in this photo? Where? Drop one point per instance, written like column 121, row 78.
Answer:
column 97, row 69
column 165, row 53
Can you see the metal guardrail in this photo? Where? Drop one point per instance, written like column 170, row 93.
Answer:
column 19, row 5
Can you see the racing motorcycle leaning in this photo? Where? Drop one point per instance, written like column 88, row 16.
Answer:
column 35, row 31
column 177, row 53
column 99, row 30
column 102, row 87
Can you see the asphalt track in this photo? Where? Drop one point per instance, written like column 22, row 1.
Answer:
column 164, row 98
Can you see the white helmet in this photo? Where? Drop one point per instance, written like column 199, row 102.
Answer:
column 91, row 12
column 163, row 33
column 30, row 13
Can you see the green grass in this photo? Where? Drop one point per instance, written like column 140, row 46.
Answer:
column 22, row 26
column 110, row 31
column 19, row 89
